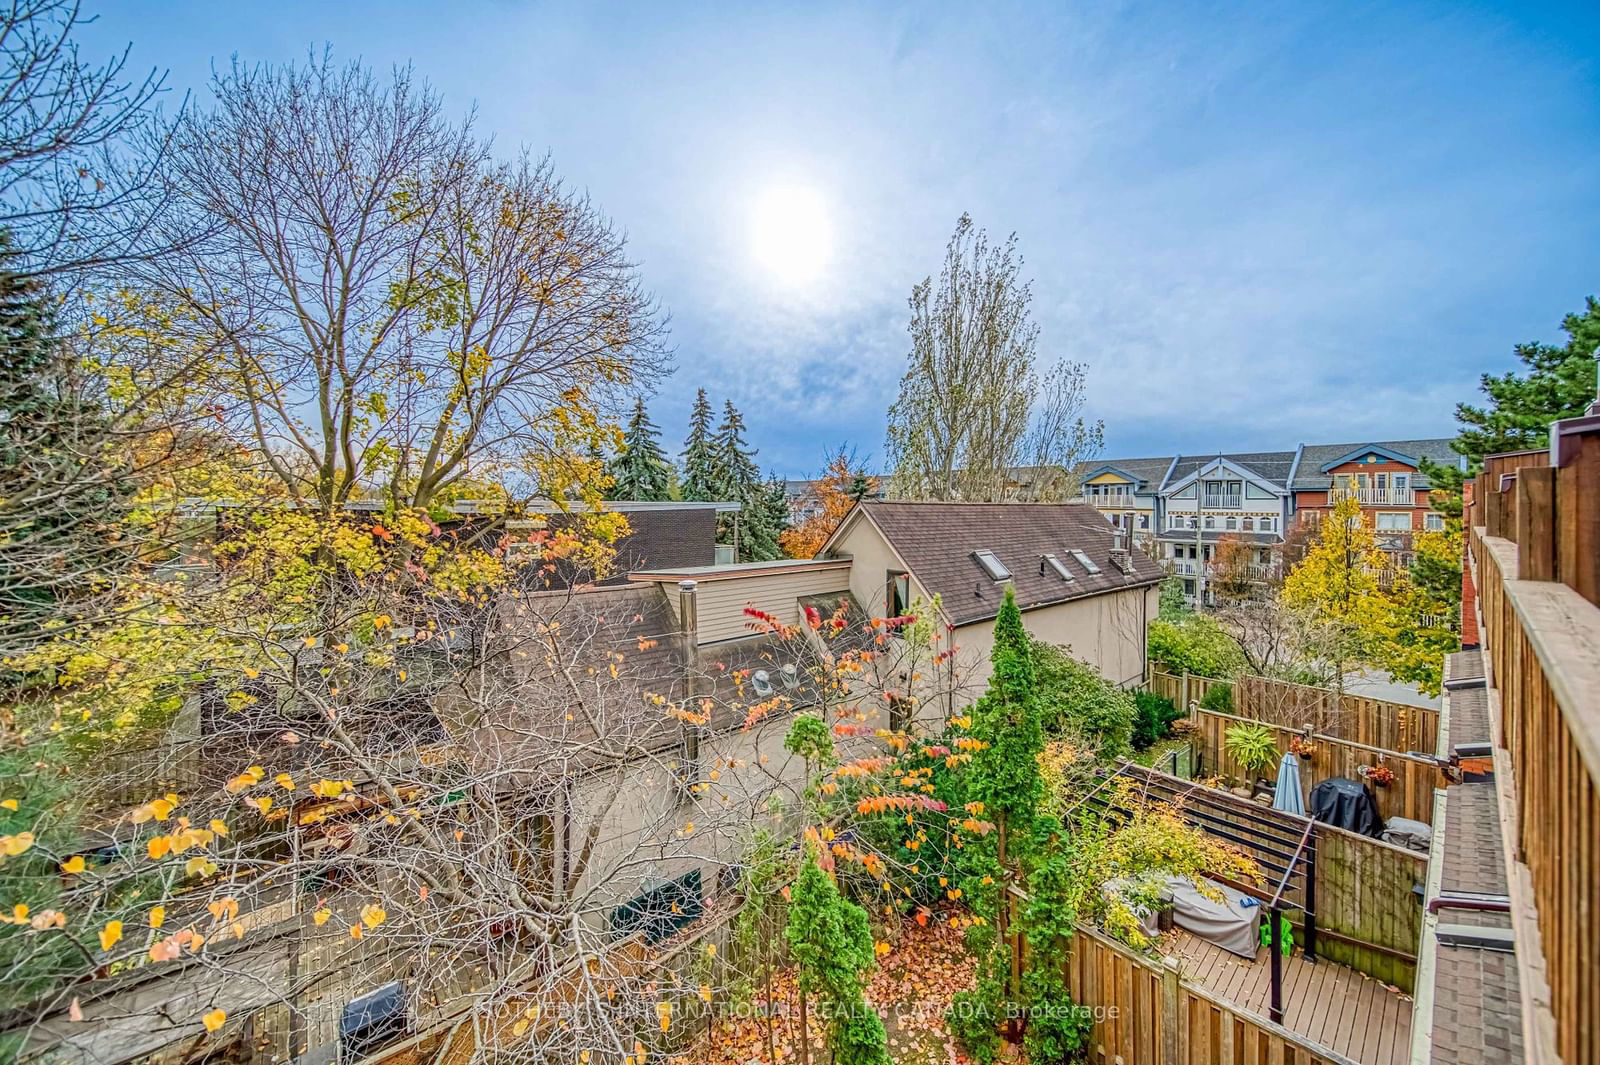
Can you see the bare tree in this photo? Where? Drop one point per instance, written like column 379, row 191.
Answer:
column 392, row 314
column 80, row 144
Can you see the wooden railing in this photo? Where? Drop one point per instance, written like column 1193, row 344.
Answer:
column 1145, row 1011
column 1360, row 890
column 1535, row 540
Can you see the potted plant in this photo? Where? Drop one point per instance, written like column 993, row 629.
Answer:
column 1302, row 747
column 1253, row 747
column 1380, row 775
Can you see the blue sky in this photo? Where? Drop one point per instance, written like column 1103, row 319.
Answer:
column 1258, row 224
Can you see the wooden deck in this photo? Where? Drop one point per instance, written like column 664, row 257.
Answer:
column 1327, row 1003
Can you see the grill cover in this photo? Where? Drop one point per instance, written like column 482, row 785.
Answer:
column 1346, row 803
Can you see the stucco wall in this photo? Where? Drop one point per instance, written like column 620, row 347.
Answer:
column 1106, row 631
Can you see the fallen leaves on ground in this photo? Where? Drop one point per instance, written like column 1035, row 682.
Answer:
column 916, row 978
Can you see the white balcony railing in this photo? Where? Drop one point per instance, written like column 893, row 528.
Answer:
column 1373, row 497
column 1222, row 502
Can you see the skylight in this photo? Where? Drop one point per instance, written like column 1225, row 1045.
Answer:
column 1056, row 564
column 992, row 565
column 1085, row 561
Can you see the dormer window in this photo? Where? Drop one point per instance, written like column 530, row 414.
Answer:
column 992, row 565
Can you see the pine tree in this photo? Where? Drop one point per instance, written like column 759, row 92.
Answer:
column 738, row 478
column 700, row 482
column 762, row 521
column 641, row 471
column 1559, row 382
column 733, row 459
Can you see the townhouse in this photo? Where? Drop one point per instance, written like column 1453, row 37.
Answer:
column 1178, row 508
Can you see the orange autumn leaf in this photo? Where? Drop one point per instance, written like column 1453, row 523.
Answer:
column 214, row 1020
column 110, row 934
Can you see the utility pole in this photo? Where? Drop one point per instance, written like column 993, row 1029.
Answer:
column 1199, row 543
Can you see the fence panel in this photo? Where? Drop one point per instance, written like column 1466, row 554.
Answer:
column 1410, row 794
column 1362, row 719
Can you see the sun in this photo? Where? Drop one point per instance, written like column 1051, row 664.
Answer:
column 790, row 235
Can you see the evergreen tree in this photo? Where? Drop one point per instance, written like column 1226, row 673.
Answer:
column 1005, row 772
column 1559, row 383
column 700, row 483
column 831, row 942
column 762, row 521
column 641, row 471
column 738, row 479
column 733, row 460
column 59, row 477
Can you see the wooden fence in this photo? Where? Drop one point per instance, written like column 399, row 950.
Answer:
column 1374, row 722
column 1145, row 1012
column 1410, row 794
column 1535, row 535
column 1362, row 895
column 1181, row 688
column 1392, row 726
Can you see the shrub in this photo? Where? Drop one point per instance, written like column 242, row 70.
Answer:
column 1254, row 747
column 1194, row 644
column 1218, row 697
column 973, row 1021
column 1153, row 718
column 1076, row 701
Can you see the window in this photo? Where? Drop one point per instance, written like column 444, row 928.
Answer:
column 1085, row 561
column 1230, row 524
column 1194, row 523
column 1267, row 524
column 1393, row 522
column 1211, row 523
column 992, row 565
column 1249, row 524
column 1056, row 564
column 1144, row 521
column 1188, row 587
column 1402, row 485
column 899, row 593
column 1433, row 522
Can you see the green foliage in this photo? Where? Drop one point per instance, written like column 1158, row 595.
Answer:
column 1173, row 607
column 641, row 471
column 1218, row 697
column 1426, row 619
column 1004, row 775
column 1153, row 718
column 809, row 738
column 700, row 480
column 1194, row 644
column 1557, row 382
column 1058, row 1028
column 1254, row 747
column 1077, row 702
column 831, row 943
column 974, row 1020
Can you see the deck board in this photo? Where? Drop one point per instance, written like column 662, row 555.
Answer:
column 1327, row 1003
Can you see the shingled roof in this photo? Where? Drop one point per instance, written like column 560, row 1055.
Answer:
column 1273, row 466
column 1308, row 476
column 1152, row 471
column 937, row 541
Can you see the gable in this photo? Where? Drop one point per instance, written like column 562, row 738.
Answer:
column 1371, row 455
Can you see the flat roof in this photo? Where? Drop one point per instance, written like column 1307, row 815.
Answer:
column 740, row 569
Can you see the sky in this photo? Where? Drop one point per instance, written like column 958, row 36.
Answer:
column 1258, row 225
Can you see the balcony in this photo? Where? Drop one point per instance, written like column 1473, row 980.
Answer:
column 1373, row 497
column 1222, row 501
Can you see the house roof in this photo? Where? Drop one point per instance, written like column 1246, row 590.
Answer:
column 937, row 541
column 1311, row 477
column 1273, row 466
column 1151, row 471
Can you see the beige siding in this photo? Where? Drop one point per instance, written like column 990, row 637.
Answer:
column 721, row 602
column 1106, row 631
column 871, row 562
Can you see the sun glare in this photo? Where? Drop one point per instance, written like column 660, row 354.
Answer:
column 790, row 235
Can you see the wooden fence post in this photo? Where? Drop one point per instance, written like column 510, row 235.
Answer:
column 1536, row 523
column 1185, row 702
column 1171, row 1000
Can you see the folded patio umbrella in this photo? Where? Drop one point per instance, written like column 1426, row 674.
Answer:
column 1287, row 795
